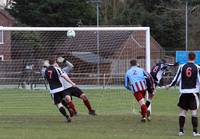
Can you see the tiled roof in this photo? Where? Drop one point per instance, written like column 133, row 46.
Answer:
column 109, row 41
column 90, row 57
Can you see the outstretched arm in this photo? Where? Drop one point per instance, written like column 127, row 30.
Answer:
column 68, row 66
column 176, row 78
column 66, row 77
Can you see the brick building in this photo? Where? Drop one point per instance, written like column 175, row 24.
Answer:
column 5, row 37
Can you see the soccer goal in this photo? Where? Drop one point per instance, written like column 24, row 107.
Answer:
column 100, row 55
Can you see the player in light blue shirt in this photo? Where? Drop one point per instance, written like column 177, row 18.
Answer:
column 135, row 80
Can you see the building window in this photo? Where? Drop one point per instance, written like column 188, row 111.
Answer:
column 1, row 58
column 1, row 36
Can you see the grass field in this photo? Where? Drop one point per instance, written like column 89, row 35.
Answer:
column 26, row 114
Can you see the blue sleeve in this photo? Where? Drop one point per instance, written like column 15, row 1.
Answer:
column 126, row 82
column 146, row 75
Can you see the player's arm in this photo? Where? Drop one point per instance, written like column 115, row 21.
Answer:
column 68, row 66
column 176, row 78
column 175, row 64
column 44, row 67
column 164, row 67
column 147, row 75
column 43, row 71
column 66, row 77
column 127, row 82
column 198, row 74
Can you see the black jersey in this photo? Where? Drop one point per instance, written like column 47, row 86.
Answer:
column 157, row 72
column 188, row 75
column 53, row 75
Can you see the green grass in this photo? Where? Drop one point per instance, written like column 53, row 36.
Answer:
column 26, row 114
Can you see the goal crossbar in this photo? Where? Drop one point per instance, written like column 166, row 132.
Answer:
column 73, row 28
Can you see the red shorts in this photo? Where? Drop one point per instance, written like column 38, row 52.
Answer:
column 139, row 95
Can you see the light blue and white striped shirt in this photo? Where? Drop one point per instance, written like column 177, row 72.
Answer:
column 135, row 79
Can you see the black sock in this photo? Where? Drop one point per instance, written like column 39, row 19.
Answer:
column 147, row 103
column 65, row 104
column 181, row 123
column 63, row 112
column 194, row 123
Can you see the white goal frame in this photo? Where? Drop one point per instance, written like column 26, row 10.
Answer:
column 146, row 29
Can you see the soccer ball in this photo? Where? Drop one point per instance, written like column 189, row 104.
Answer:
column 71, row 33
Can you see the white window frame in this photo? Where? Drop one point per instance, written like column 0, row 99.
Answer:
column 1, row 39
column 1, row 57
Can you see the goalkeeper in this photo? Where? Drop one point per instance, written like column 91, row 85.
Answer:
column 67, row 67
column 158, row 70
column 156, row 74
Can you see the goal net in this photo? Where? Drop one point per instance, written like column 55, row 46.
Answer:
column 100, row 57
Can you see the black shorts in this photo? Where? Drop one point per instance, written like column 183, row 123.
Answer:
column 150, row 85
column 189, row 101
column 74, row 91
column 58, row 97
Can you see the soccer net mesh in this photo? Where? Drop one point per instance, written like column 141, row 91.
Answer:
column 100, row 58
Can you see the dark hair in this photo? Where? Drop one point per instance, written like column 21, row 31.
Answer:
column 52, row 60
column 162, row 61
column 191, row 56
column 133, row 62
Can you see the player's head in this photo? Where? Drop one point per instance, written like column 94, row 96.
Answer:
column 60, row 60
column 52, row 60
column 46, row 63
column 191, row 56
column 162, row 61
column 133, row 62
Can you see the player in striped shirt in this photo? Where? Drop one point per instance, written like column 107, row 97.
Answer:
column 71, row 110
column 188, row 76
column 74, row 90
column 156, row 74
column 53, row 75
column 135, row 80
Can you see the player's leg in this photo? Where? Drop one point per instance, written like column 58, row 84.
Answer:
column 70, row 104
column 79, row 93
column 151, row 92
column 140, row 98
column 72, row 112
column 57, row 97
column 194, row 104
column 87, row 104
column 150, row 98
column 148, row 103
column 182, row 116
column 183, row 105
column 63, row 112
column 194, row 120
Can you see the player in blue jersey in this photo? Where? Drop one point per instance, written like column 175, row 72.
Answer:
column 135, row 80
